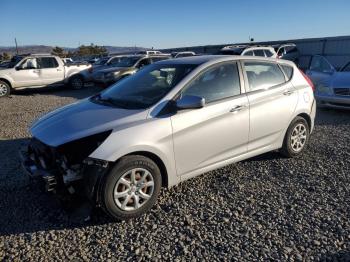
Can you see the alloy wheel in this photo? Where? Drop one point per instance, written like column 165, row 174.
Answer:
column 298, row 137
column 3, row 89
column 133, row 189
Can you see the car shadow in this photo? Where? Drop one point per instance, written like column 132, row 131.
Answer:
column 26, row 208
column 87, row 91
column 329, row 116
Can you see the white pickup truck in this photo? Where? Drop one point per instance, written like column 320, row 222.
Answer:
column 41, row 70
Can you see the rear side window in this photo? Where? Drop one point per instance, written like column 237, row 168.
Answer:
column 259, row 52
column 288, row 70
column 47, row 62
column 218, row 82
column 262, row 75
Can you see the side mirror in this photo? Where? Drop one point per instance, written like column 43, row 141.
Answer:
column 18, row 68
column 190, row 102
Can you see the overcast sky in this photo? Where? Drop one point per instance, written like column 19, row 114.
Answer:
column 162, row 24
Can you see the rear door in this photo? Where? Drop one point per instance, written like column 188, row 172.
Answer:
column 50, row 71
column 218, row 131
column 320, row 70
column 272, row 100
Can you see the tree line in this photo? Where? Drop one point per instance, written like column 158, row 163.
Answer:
column 83, row 50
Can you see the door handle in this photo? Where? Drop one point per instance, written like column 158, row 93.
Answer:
column 59, row 69
column 36, row 71
column 237, row 108
column 288, row 92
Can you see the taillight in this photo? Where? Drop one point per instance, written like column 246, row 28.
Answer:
column 308, row 80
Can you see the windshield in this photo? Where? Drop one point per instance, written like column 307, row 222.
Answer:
column 101, row 61
column 145, row 88
column 125, row 61
column 14, row 61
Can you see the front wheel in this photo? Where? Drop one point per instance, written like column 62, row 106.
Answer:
column 76, row 82
column 4, row 89
column 131, row 188
column 296, row 137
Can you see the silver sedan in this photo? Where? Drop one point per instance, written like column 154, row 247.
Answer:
column 332, row 87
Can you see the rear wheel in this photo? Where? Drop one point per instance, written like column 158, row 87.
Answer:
column 5, row 89
column 296, row 137
column 76, row 82
column 132, row 187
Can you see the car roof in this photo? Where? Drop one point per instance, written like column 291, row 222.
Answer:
column 198, row 60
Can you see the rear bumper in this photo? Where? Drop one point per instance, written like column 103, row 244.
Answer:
column 332, row 101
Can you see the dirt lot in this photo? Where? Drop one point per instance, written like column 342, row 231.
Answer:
column 268, row 207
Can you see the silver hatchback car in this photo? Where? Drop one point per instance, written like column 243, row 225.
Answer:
column 171, row 121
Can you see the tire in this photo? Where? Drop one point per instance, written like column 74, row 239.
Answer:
column 130, row 192
column 76, row 82
column 5, row 89
column 293, row 147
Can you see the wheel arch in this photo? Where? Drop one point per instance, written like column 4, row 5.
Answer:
column 307, row 118
column 6, row 81
column 159, row 162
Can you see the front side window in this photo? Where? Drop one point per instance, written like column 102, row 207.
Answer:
column 29, row 63
column 145, row 88
column 262, row 75
column 47, row 62
column 216, row 83
column 249, row 53
column 320, row 64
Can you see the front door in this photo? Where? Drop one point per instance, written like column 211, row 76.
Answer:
column 218, row 131
column 26, row 74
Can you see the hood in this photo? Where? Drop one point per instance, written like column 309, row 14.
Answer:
column 341, row 79
column 82, row 119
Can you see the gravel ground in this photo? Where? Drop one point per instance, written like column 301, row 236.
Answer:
column 266, row 208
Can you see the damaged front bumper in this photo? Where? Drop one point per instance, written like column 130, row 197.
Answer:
column 42, row 162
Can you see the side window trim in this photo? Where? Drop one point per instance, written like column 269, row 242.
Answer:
column 241, row 80
column 246, row 83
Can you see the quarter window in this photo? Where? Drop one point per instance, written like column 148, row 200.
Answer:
column 288, row 70
column 47, row 62
column 216, row 83
column 263, row 75
column 268, row 53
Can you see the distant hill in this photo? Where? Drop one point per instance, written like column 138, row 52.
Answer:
column 47, row 49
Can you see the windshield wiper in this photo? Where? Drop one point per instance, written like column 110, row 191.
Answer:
column 106, row 100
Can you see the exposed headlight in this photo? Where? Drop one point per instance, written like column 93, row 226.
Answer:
column 324, row 89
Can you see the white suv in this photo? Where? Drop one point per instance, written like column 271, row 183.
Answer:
column 245, row 50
